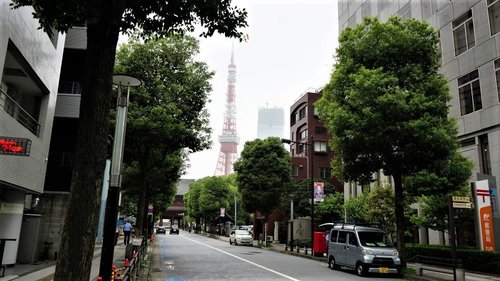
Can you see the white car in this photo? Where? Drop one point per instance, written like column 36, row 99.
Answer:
column 240, row 236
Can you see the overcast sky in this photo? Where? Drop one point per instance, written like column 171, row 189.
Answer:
column 290, row 49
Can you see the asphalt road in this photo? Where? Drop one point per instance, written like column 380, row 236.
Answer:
column 194, row 257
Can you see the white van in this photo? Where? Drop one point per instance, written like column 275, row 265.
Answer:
column 363, row 248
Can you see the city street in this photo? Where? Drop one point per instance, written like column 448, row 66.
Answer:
column 194, row 257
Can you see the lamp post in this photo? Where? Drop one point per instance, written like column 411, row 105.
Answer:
column 115, row 180
column 309, row 143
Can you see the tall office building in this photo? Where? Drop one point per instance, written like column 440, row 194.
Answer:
column 470, row 40
column 271, row 122
column 30, row 64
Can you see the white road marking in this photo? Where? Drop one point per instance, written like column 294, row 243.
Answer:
column 242, row 259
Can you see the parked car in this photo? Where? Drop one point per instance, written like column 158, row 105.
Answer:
column 161, row 229
column 240, row 236
column 363, row 248
column 174, row 229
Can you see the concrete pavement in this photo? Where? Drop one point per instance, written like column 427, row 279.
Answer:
column 44, row 270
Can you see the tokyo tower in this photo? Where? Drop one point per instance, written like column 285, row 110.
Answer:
column 228, row 139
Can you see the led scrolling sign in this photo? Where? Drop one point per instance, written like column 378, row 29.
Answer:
column 15, row 146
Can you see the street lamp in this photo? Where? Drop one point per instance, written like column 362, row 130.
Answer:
column 309, row 143
column 115, row 180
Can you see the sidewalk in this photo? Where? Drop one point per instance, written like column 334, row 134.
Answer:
column 44, row 270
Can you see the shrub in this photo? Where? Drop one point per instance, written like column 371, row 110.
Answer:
column 472, row 259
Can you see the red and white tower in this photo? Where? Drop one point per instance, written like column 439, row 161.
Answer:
column 228, row 139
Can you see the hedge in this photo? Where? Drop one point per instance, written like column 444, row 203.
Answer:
column 472, row 259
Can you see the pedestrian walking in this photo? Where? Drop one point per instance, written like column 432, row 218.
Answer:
column 127, row 229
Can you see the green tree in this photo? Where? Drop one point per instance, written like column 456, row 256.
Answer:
column 386, row 105
column 331, row 209
column 299, row 191
column 434, row 214
column 263, row 172
column 355, row 209
column 167, row 115
column 104, row 21
column 191, row 200
column 380, row 208
column 215, row 194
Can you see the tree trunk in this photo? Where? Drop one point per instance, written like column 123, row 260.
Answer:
column 80, row 226
column 400, row 217
column 140, row 210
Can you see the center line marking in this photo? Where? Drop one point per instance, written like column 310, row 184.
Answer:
column 242, row 259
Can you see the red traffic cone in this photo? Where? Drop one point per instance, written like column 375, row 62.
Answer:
column 126, row 262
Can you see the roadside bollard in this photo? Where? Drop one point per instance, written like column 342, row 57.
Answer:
column 125, row 263
column 113, row 273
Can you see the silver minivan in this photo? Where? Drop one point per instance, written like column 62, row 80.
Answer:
column 363, row 248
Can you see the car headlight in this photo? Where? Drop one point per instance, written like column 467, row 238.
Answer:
column 395, row 253
column 367, row 252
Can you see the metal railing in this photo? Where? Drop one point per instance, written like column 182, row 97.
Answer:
column 18, row 113
column 70, row 87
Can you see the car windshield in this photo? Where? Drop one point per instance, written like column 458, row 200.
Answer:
column 374, row 239
column 242, row 232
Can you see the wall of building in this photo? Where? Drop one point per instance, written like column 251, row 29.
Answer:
column 44, row 58
column 39, row 57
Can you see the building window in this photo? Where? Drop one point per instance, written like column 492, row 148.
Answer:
column 463, row 33
column 320, row 130
column 302, row 112
column 467, row 142
column 303, row 134
column 301, row 148
column 320, row 146
column 293, row 118
column 295, row 171
column 470, row 93
column 485, row 154
column 494, row 15
column 497, row 73
column 325, row 173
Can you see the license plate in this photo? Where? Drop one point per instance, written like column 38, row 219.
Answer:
column 383, row 270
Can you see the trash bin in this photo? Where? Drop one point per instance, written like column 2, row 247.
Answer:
column 319, row 247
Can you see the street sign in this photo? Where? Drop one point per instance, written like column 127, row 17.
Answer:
column 461, row 199
column 462, row 205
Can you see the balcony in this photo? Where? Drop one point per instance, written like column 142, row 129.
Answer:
column 11, row 107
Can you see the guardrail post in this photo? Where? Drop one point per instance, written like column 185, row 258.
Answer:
column 418, row 269
column 460, row 274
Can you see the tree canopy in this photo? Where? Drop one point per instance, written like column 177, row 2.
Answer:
column 386, row 106
column 263, row 171
column 167, row 115
column 104, row 20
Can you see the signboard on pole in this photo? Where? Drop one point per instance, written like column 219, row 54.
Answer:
column 319, row 191
column 484, row 214
column 222, row 212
